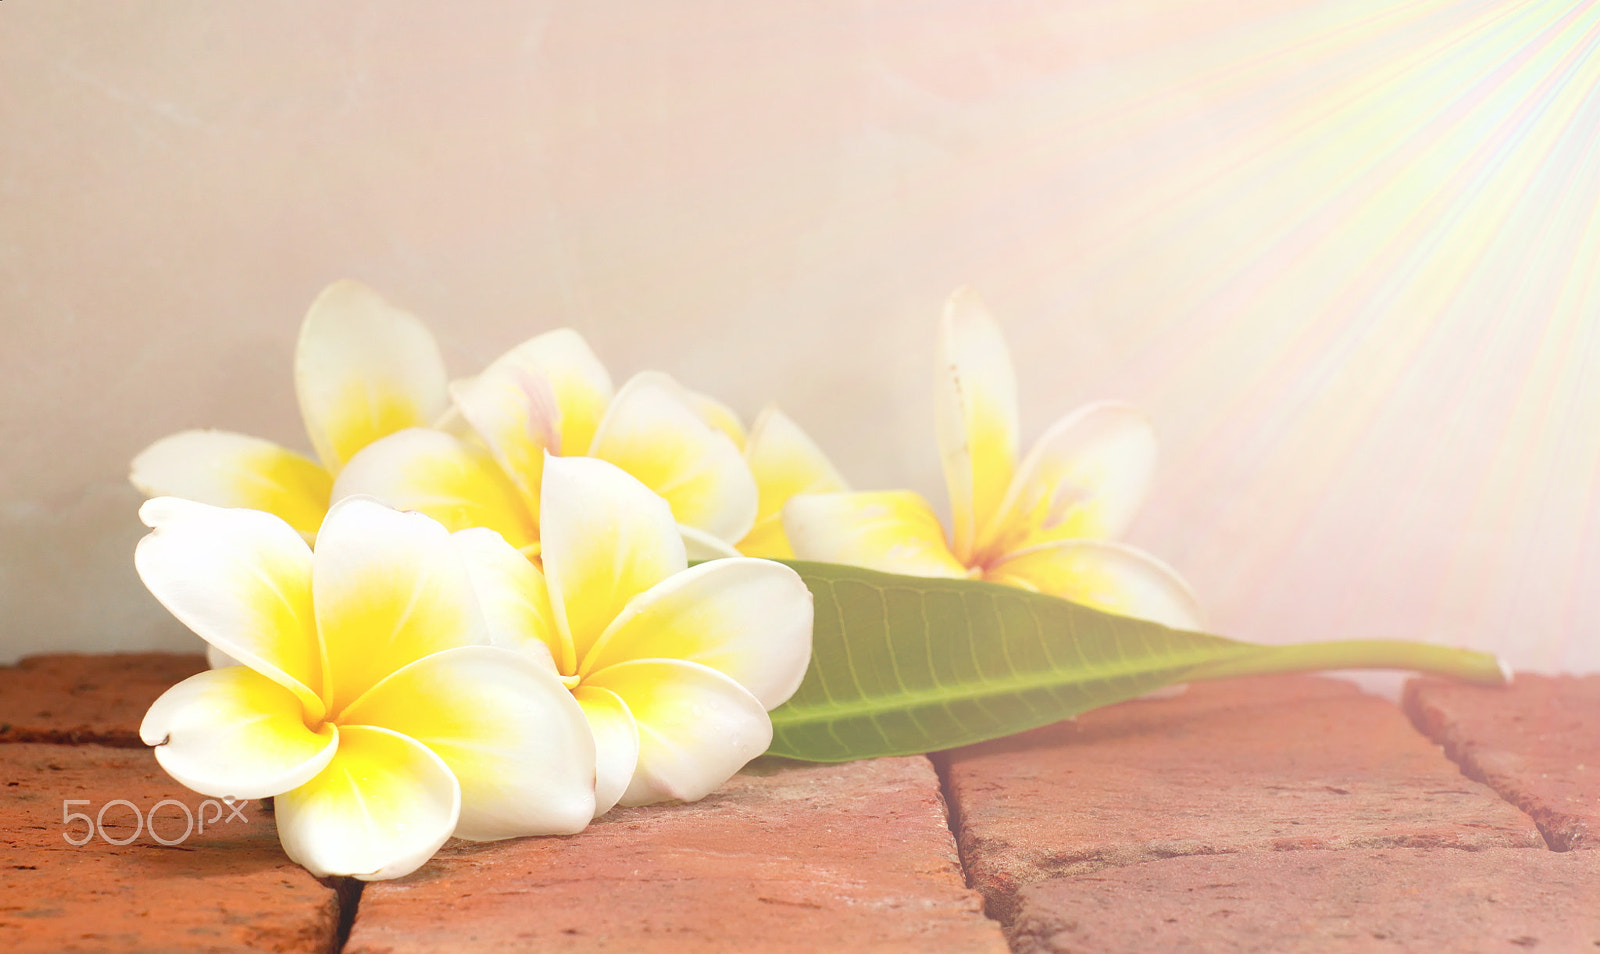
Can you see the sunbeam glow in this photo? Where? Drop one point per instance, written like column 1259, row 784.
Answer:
column 1346, row 253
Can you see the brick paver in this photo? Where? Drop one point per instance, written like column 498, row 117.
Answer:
column 1268, row 764
column 1536, row 742
column 228, row 888
column 73, row 697
column 853, row 857
column 1161, row 825
column 1274, row 902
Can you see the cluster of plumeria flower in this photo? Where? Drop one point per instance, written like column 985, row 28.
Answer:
column 474, row 614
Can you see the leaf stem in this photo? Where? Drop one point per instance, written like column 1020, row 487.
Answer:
column 1482, row 669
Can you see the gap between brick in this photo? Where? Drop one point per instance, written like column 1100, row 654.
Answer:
column 348, row 891
column 952, row 820
column 1413, row 713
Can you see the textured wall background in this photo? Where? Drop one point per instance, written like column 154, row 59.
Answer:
column 1345, row 253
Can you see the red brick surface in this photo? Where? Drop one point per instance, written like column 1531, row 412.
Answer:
column 230, row 888
column 852, row 857
column 1424, row 900
column 86, row 698
column 1158, row 825
column 1270, row 764
column 1536, row 742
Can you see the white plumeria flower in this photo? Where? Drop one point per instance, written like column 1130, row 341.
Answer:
column 1046, row 525
column 369, row 701
column 551, row 395
column 362, row 369
column 675, row 667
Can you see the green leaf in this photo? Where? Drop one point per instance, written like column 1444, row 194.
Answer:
column 903, row 664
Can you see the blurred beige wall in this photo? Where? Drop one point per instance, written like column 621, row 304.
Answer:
column 1345, row 254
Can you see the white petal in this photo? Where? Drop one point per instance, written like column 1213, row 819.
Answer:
column 363, row 368
column 893, row 531
column 234, row 470
column 508, row 729
column 784, row 462
column 451, row 481
column 234, row 732
column 696, row 727
column 748, row 619
column 1113, row 577
column 390, row 588
column 380, row 809
column 515, row 603
column 651, row 432
column 976, row 415
column 241, row 579
column 606, row 539
column 717, row 414
column 547, row 393
column 1085, row 478
column 616, row 744
column 699, row 545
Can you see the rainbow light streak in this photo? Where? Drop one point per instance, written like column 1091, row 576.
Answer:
column 1346, row 253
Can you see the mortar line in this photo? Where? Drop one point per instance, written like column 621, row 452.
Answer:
column 348, row 891
column 1469, row 770
column 953, row 821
